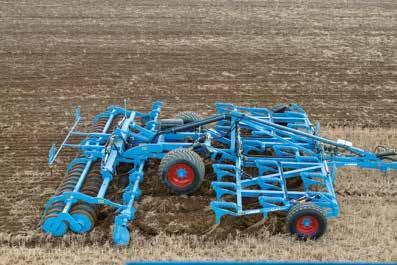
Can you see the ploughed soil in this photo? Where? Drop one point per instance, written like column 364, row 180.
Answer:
column 335, row 58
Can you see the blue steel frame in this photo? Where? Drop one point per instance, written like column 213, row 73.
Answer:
column 285, row 145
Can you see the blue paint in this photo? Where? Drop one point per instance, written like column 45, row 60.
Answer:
column 276, row 145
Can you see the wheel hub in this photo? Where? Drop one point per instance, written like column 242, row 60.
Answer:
column 307, row 225
column 181, row 175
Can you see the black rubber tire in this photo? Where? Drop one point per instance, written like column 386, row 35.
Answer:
column 280, row 108
column 188, row 116
column 306, row 209
column 184, row 156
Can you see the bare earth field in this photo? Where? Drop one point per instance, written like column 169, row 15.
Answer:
column 335, row 58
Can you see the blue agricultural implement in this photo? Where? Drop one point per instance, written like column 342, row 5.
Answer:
column 274, row 157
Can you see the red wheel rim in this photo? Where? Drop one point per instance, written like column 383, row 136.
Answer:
column 180, row 175
column 307, row 225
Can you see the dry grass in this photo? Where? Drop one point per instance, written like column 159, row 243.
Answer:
column 335, row 58
column 365, row 231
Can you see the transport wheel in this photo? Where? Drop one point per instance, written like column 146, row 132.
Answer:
column 306, row 221
column 280, row 108
column 182, row 171
column 188, row 116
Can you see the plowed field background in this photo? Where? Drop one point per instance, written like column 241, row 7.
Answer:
column 335, row 58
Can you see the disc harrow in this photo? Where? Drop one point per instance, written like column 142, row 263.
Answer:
column 275, row 157
column 84, row 212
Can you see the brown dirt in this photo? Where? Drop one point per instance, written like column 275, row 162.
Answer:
column 335, row 58
column 367, row 201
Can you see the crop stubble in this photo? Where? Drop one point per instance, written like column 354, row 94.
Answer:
column 334, row 58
